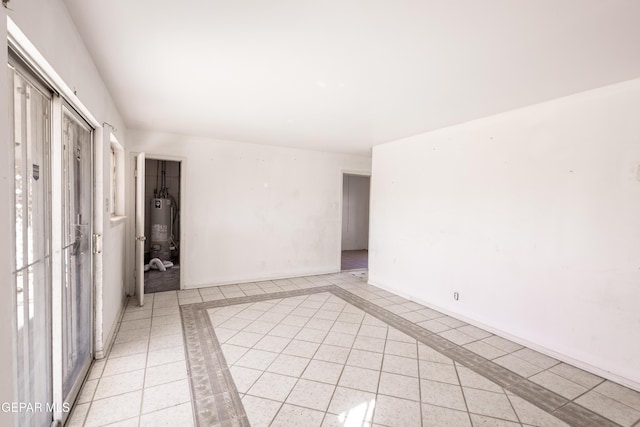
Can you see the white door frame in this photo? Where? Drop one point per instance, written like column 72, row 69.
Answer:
column 344, row 172
column 131, row 214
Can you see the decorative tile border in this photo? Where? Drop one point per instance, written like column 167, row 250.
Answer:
column 217, row 402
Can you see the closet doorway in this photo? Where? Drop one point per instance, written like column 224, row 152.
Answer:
column 162, row 225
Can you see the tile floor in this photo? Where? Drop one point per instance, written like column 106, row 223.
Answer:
column 330, row 350
column 354, row 260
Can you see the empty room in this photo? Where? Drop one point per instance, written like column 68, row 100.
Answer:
column 297, row 213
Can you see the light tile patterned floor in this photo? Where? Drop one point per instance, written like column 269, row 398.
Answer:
column 315, row 358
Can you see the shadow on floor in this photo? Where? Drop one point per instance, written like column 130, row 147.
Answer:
column 160, row 281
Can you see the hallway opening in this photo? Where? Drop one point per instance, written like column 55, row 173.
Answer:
column 355, row 222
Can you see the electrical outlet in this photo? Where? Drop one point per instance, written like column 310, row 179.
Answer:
column 456, row 296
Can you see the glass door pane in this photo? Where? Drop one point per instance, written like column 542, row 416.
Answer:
column 77, row 321
column 29, row 121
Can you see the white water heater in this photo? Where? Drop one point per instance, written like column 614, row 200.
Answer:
column 161, row 229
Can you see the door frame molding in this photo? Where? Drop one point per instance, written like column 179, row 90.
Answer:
column 131, row 233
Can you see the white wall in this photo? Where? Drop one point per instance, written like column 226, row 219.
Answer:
column 253, row 212
column 49, row 28
column 355, row 212
column 533, row 216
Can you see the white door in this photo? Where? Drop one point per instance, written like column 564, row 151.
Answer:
column 140, row 238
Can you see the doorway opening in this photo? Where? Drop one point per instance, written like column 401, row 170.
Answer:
column 162, row 226
column 355, row 222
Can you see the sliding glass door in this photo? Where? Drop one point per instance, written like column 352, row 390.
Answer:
column 77, row 295
column 30, row 130
column 53, row 253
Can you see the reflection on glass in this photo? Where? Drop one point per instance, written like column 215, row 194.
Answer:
column 76, row 298
column 29, row 129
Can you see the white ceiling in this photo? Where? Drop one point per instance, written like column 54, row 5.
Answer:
column 346, row 75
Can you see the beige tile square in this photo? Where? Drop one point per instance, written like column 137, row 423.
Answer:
column 441, row 372
column 399, row 386
column 260, row 411
column 288, row 365
column 285, row 331
column 322, row 371
column 560, row 385
column 166, row 329
column 396, row 335
column 365, row 359
column 427, row 353
column 119, row 365
column 136, row 315
column 165, row 395
column 244, row 378
column 272, row 386
column 165, row 355
column 259, row 327
column 391, row 411
column 434, row 326
column 166, row 320
column 484, row 421
column 119, row 384
column 470, row 379
column 295, row 416
column 301, row 348
column 404, row 349
column 354, row 407
column 438, row 416
column 491, row 404
column 535, row 358
column 165, row 341
column 369, row 343
column 112, row 409
column 576, row 375
column 129, row 348
column 232, row 353
column 529, row 414
column 311, row 335
column 311, row 394
column 339, row 339
column 272, row 343
column 332, row 353
column 609, row 408
column 400, row 365
column 359, row 378
column 620, row 393
column 166, row 373
column 485, row 350
column 135, row 324
column 245, row 339
column 256, row 359
column 458, row 337
column 132, row 335
column 503, row 344
column 379, row 332
column 517, row 365
column 179, row 415
column 442, row 394
column 166, row 311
